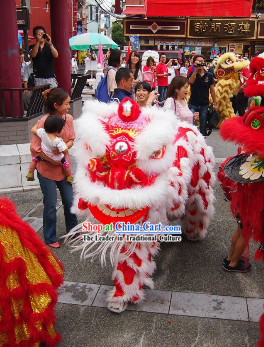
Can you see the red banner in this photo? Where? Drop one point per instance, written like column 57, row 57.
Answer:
column 198, row 8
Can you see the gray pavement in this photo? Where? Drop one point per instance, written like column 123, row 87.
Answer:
column 195, row 303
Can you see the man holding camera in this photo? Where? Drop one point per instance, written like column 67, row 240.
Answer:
column 201, row 82
column 42, row 54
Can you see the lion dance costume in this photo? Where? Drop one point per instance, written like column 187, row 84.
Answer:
column 242, row 176
column 30, row 275
column 135, row 166
column 227, row 72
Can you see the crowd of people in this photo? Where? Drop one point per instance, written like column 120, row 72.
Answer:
column 168, row 84
column 166, row 78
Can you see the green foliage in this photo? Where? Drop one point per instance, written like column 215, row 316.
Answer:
column 117, row 33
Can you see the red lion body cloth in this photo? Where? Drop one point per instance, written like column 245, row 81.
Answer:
column 137, row 166
column 242, row 176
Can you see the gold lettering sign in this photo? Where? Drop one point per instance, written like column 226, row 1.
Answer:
column 200, row 27
column 244, row 28
column 230, row 28
column 220, row 28
column 215, row 27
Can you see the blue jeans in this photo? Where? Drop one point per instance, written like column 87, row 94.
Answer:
column 162, row 93
column 48, row 188
column 203, row 109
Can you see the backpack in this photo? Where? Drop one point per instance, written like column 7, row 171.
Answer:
column 101, row 92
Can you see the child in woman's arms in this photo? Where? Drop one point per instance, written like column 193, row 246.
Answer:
column 52, row 145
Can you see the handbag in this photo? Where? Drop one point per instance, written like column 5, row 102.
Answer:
column 212, row 118
column 31, row 81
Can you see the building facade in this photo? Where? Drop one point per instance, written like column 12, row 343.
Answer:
column 39, row 14
column 182, row 36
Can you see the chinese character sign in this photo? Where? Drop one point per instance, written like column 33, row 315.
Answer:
column 200, row 27
column 222, row 28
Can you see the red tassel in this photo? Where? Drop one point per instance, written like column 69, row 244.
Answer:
column 261, row 325
column 259, row 255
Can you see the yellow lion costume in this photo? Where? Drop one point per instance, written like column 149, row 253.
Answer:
column 227, row 70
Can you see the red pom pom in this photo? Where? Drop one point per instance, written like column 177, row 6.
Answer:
column 128, row 110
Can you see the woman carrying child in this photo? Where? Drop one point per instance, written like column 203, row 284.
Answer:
column 50, row 172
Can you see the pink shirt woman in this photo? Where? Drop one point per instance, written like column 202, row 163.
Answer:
column 177, row 100
column 181, row 109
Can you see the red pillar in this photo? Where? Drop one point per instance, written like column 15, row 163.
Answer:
column 118, row 7
column 60, row 37
column 10, row 72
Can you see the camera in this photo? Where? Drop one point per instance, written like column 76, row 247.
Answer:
column 201, row 64
column 45, row 36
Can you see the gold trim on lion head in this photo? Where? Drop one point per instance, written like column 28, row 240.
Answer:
column 131, row 132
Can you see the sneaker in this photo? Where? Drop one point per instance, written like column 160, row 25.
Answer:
column 30, row 176
column 241, row 267
column 54, row 244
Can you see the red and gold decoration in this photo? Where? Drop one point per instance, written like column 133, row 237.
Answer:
column 30, row 275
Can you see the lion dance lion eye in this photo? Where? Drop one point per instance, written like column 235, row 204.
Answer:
column 159, row 153
column 255, row 124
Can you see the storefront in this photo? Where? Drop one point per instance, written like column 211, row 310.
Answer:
column 162, row 35
column 228, row 35
column 259, row 47
column 184, row 37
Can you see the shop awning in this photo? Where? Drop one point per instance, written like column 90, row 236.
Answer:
column 134, row 10
column 198, row 8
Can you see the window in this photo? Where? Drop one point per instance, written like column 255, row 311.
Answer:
column 90, row 13
column 96, row 14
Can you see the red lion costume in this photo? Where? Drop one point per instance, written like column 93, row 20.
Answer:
column 242, row 176
column 135, row 166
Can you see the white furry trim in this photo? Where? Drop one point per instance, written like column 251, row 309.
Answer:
column 99, row 109
column 158, row 133
column 134, row 198
column 150, row 166
column 126, row 297
column 90, row 130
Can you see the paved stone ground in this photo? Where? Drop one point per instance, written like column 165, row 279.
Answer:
column 195, row 303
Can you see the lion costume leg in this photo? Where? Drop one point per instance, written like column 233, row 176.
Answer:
column 199, row 205
column 130, row 274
